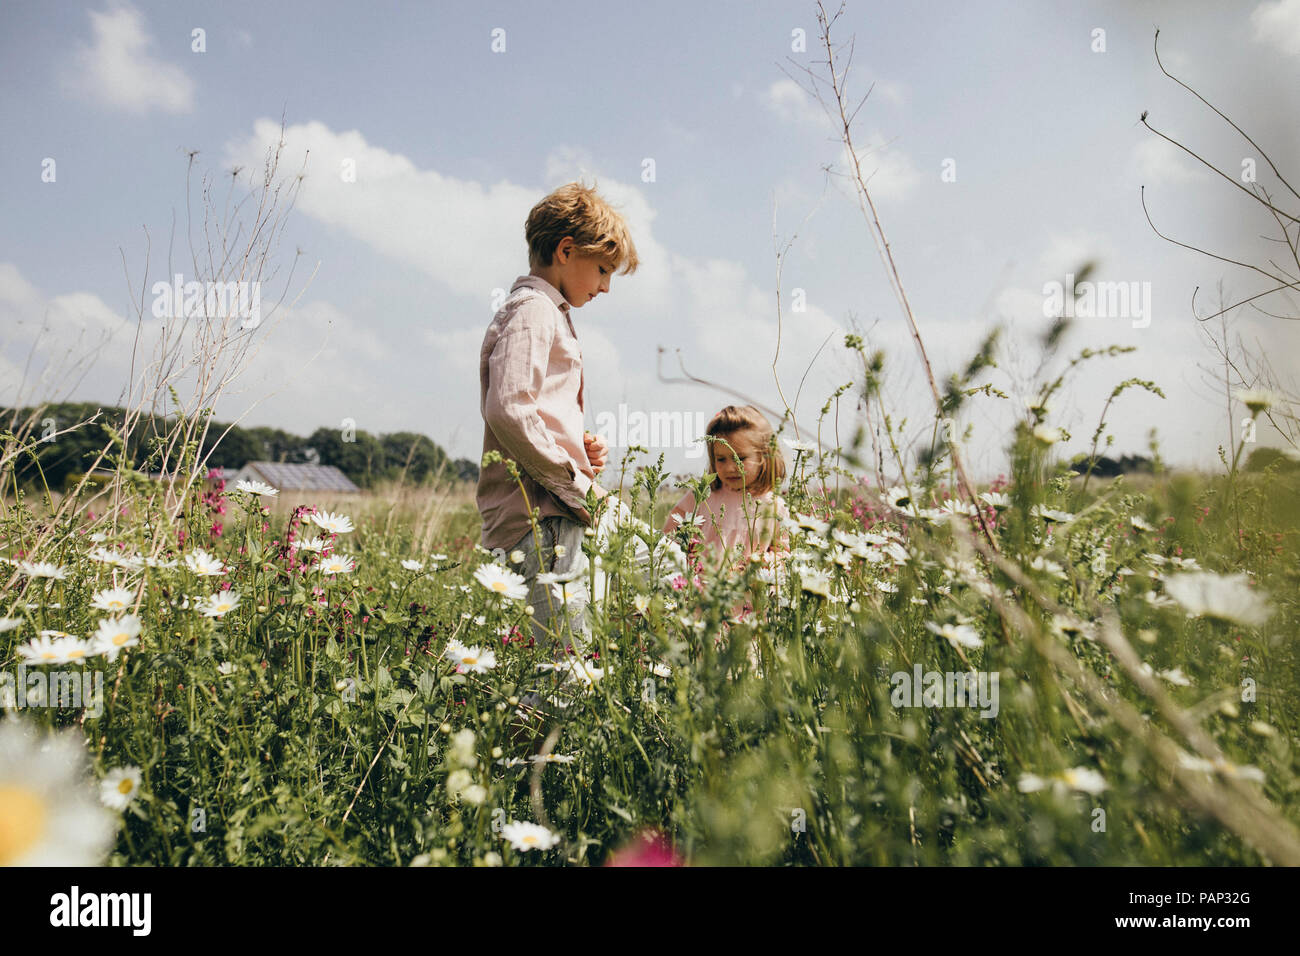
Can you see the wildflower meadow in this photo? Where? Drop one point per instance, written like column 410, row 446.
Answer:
column 318, row 688
column 1057, row 666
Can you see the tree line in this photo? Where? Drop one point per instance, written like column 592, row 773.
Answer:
column 365, row 458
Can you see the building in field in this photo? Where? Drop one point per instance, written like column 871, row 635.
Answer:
column 290, row 477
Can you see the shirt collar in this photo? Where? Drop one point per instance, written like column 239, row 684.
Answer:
column 541, row 285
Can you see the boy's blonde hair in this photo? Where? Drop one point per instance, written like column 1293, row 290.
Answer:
column 579, row 211
column 747, row 418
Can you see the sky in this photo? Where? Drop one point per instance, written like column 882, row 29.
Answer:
column 1001, row 143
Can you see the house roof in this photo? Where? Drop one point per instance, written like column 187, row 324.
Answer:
column 289, row 477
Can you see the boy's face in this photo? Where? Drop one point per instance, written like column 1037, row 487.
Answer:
column 579, row 278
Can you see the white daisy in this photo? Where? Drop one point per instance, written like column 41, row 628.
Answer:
column 336, row 524
column 580, row 672
column 996, row 500
column 473, row 658
column 219, row 604
column 1040, row 563
column 120, row 787
column 1051, row 515
column 112, row 599
column 956, row 507
column 896, row 551
column 898, row 498
column 1046, row 434
column 502, row 581
column 958, row 635
column 815, row 582
column 458, row 780
column 10, row 623
column 42, row 569
column 410, row 565
column 1256, row 399
column 525, row 836
column 74, row 650
column 812, row 523
column 204, row 564
column 48, row 812
column 1226, row 597
column 1223, row 766
column 337, row 564
column 116, row 634
column 44, row 650
column 257, row 488
column 552, row 758
column 800, row 447
column 1083, row 779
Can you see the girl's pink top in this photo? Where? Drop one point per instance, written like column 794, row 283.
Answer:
column 729, row 520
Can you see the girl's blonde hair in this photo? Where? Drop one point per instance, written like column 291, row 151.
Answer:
column 747, row 418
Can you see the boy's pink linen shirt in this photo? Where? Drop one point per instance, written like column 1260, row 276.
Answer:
column 531, row 385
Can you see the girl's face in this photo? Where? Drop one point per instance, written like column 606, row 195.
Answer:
column 744, row 445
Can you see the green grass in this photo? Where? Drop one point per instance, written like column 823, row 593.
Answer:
column 314, row 724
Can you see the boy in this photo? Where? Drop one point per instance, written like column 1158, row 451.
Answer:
column 531, row 388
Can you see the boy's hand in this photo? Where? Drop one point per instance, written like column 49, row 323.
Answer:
column 597, row 450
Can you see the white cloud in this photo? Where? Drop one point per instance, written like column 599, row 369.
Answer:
column 119, row 70
column 314, row 363
column 1278, row 24
column 463, row 233
column 1065, row 252
column 468, row 236
column 58, row 345
column 1156, row 162
column 889, row 172
column 790, row 103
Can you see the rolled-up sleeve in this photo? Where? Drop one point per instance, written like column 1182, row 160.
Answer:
column 516, row 372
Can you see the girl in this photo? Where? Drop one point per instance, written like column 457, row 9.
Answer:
column 741, row 515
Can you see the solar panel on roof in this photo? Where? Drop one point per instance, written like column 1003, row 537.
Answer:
column 301, row 477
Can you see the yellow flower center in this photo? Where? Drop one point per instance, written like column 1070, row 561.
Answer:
column 126, row 786
column 529, row 839
column 116, row 605
column 76, row 652
column 469, row 660
column 48, row 655
column 22, row 822
column 121, row 638
column 498, row 586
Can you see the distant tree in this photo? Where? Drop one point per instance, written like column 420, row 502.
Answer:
column 1262, row 458
column 411, row 456
column 279, row 445
column 366, row 460
column 361, row 459
column 1103, row 466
